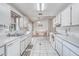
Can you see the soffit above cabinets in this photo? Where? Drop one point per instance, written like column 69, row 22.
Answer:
column 29, row 9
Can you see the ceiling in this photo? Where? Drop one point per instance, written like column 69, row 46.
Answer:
column 29, row 9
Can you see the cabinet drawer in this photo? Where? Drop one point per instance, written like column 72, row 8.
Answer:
column 72, row 47
column 1, row 51
column 67, row 52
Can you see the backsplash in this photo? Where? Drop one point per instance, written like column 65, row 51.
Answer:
column 69, row 31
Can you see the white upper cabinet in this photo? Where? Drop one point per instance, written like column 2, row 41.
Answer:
column 54, row 22
column 65, row 17
column 25, row 21
column 75, row 14
column 58, row 19
column 21, row 22
column 13, row 48
column 4, row 14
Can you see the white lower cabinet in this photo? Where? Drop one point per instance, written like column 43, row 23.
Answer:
column 67, row 52
column 13, row 48
column 75, row 14
column 65, row 49
column 24, row 43
column 74, row 50
column 22, row 47
column 2, row 51
column 59, row 47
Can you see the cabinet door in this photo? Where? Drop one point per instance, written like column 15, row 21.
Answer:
column 59, row 47
column 2, row 51
column 65, row 17
column 4, row 14
column 75, row 14
column 67, row 52
column 54, row 24
column 22, row 46
column 21, row 22
column 72, row 47
column 53, row 44
column 13, row 49
column 26, row 42
column 58, row 19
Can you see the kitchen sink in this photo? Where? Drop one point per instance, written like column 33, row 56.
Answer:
column 13, row 35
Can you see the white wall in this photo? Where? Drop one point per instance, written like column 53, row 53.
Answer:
column 4, row 14
column 43, row 28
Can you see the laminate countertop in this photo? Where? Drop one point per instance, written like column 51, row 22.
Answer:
column 70, row 38
column 5, row 39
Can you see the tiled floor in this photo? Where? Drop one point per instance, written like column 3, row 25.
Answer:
column 42, row 47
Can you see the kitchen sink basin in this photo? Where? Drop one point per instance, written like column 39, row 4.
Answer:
column 13, row 35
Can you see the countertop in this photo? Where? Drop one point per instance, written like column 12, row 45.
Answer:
column 4, row 39
column 70, row 38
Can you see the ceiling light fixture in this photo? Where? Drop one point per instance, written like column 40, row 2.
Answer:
column 38, row 22
column 40, row 6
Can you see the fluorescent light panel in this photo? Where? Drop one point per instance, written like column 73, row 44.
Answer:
column 40, row 6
